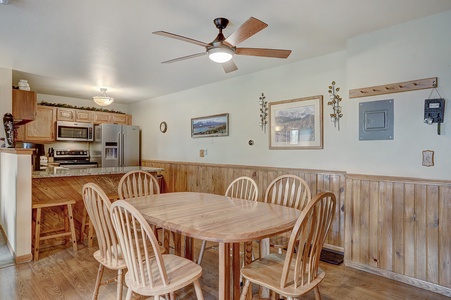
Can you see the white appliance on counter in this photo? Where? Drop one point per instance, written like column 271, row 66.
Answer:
column 115, row 145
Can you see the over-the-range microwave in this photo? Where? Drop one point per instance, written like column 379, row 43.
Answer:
column 74, row 131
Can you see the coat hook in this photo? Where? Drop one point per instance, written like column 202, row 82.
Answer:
column 400, row 86
column 415, row 84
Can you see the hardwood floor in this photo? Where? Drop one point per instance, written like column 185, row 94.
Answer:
column 65, row 274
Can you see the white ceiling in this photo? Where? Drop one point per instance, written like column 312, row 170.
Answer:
column 72, row 48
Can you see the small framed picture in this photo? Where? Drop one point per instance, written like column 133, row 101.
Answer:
column 210, row 126
column 296, row 123
column 428, row 158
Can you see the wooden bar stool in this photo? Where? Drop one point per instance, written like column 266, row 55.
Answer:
column 86, row 225
column 67, row 231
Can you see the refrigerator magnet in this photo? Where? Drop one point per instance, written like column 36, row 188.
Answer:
column 163, row 127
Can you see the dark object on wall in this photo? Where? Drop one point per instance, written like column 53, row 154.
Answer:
column 434, row 112
column 8, row 126
column 376, row 120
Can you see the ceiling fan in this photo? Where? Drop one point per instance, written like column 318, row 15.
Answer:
column 221, row 49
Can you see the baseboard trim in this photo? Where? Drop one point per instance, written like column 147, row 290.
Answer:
column 402, row 278
column 23, row 258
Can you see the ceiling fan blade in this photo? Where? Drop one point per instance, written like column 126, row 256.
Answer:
column 229, row 66
column 276, row 53
column 181, row 38
column 245, row 31
column 184, row 57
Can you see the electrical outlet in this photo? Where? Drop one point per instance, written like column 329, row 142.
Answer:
column 202, row 152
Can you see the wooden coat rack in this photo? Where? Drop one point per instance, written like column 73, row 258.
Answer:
column 399, row 87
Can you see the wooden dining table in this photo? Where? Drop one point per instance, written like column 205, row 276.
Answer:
column 217, row 218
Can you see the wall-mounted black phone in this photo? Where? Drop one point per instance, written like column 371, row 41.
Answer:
column 434, row 112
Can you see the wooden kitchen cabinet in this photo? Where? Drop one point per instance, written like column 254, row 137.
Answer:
column 101, row 117
column 96, row 117
column 83, row 115
column 65, row 114
column 118, row 119
column 23, row 106
column 42, row 129
column 73, row 115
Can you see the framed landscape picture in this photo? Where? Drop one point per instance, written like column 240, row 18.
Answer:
column 216, row 125
column 296, row 123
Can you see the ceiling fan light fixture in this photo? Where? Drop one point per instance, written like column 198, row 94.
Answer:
column 103, row 99
column 220, row 55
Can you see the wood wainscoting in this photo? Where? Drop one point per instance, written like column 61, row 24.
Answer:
column 400, row 228
column 214, row 179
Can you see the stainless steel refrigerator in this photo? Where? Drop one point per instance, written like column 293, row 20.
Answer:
column 115, row 145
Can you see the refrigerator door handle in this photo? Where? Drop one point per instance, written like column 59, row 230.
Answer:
column 119, row 149
column 123, row 150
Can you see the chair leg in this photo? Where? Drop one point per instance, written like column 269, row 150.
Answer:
column 120, row 284
column 201, row 253
column 317, row 294
column 129, row 294
column 95, row 294
column 37, row 234
column 198, row 289
column 245, row 290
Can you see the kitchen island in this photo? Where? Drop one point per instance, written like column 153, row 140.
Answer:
column 63, row 183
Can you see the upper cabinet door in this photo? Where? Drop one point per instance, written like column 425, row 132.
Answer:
column 119, row 119
column 43, row 128
column 65, row 114
column 24, row 106
column 83, row 115
column 101, row 117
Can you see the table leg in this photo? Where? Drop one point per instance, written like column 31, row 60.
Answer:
column 264, row 251
column 236, row 266
column 189, row 248
column 224, row 271
column 166, row 239
column 247, row 260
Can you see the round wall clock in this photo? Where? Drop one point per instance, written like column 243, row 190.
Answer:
column 163, row 127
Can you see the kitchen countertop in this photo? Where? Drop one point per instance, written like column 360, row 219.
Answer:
column 64, row 172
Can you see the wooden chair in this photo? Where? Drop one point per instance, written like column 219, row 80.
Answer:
column 291, row 191
column 243, row 188
column 296, row 272
column 149, row 275
column 109, row 254
column 67, row 231
column 137, row 184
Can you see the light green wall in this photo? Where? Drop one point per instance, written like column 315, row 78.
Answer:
column 413, row 50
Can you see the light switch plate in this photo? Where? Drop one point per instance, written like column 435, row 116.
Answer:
column 428, row 158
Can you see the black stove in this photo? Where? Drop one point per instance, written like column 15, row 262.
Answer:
column 73, row 158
